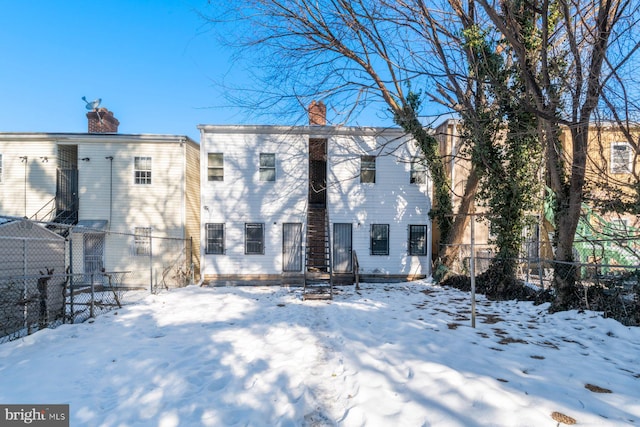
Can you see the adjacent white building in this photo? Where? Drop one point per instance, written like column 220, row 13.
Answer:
column 127, row 196
column 269, row 193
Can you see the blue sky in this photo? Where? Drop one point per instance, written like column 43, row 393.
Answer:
column 155, row 64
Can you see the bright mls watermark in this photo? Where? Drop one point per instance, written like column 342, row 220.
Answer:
column 34, row 415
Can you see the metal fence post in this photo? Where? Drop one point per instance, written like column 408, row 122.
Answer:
column 472, row 266
column 91, row 309
column 150, row 263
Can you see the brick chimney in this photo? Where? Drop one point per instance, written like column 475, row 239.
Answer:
column 317, row 114
column 101, row 120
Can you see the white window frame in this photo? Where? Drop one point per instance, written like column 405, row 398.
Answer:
column 219, row 169
column 267, row 171
column 141, row 241
column 617, row 161
column 141, row 174
column 418, row 173
column 368, row 168
column 212, row 241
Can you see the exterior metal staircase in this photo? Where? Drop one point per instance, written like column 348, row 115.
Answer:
column 318, row 276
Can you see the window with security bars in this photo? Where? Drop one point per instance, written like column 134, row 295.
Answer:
column 379, row 239
column 418, row 240
column 215, row 239
column 142, row 241
column 215, row 167
column 142, row 170
column 254, row 239
column 620, row 157
column 267, row 167
column 368, row 169
column 418, row 174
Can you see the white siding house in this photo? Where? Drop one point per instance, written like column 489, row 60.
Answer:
column 109, row 186
column 265, row 189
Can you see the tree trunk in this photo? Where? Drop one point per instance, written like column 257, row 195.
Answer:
column 568, row 216
column 450, row 245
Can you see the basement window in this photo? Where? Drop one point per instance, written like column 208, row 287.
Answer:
column 620, row 157
column 142, row 241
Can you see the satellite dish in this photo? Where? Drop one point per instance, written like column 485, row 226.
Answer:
column 92, row 105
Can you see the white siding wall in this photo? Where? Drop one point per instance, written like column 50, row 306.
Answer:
column 158, row 205
column 41, row 176
column 391, row 200
column 242, row 198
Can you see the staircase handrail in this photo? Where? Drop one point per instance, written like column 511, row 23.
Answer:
column 330, row 249
column 36, row 217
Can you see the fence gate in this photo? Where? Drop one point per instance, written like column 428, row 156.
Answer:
column 292, row 246
column 342, row 248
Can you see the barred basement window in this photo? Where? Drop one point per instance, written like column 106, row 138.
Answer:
column 267, row 167
column 142, row 170
column 215, row 167
column 254, row 239
column 142, row 241
column 379, row 239
column 418, row 240
column 620, row 157
column 368, row 169
column 215, row 239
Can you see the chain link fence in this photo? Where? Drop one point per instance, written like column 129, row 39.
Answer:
column 52, row 274
column 607, row 272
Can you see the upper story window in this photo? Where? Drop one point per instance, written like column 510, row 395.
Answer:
column 368, row 169
column 621, row 157
column 214, row 239
column 142, row 241
column 254, row 239
column 215, row 167
column 142, row 170
column 267, row 167
column 418, row 240
column 418, row 174
column 379, row 239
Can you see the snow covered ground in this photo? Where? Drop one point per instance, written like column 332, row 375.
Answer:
column 390, row 355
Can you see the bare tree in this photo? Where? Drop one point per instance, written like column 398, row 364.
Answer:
column 564, row 71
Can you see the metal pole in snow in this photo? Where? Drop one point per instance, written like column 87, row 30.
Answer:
column 472, row 265
column 150, row 264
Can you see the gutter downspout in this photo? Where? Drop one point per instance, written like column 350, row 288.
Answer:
column 110, row 158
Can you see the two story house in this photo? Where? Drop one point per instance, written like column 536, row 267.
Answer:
column 280, row 202
column 132, row 201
